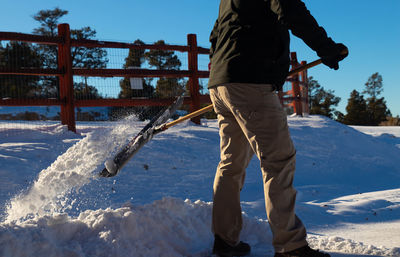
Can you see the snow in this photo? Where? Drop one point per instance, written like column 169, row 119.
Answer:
column 52, row 203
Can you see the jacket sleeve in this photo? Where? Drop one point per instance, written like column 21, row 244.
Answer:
column 213, row 38
column 295, row 16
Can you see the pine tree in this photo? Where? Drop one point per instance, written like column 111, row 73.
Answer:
column 85, row 91
column 356, row 110
column 321, row 101
column 376, row 107
column 19, row 55
column 136, row 58
column 48, row 20
column 374, row 85
column 377, row 111
column 165, row 60
column 82, row 57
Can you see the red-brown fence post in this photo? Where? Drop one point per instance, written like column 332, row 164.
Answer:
column 194, row 87
column 296, row 86
column 66, row 79
column 304, row 86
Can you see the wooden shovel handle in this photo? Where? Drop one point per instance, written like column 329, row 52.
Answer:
column 210, row 107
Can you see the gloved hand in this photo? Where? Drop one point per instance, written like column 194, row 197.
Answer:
column 331, row 56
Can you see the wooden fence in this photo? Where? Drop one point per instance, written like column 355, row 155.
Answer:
column 295, row 98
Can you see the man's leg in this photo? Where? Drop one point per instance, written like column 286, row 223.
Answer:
column 235, row 156
column 258, row 112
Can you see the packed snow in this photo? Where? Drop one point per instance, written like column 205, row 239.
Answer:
column 52, row 203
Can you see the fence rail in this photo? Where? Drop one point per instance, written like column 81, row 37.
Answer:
column 65, row 73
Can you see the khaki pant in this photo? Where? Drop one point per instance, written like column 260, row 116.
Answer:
column 251, row 120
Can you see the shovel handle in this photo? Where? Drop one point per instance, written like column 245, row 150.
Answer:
column 189, row 116
column 311, row 64
column 210, row 107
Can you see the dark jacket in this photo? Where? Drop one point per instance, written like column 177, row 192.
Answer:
column 250, row 40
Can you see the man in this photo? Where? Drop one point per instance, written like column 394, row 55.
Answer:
column 249, row 62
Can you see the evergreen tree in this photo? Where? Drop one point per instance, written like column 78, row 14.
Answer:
column 85, row 91
column 19, row 55
column 82, row 57
column 48, row 20
column 169, row 87
column 89, row 58
column 136, row 58
column 377, row 111
column 321, row 101
column 165, row 60
column 374, row 85
column 376, row 107
column 356, row 110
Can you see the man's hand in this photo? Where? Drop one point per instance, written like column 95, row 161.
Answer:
column 333, row 55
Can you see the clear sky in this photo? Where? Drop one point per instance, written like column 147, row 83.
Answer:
column 370, row 29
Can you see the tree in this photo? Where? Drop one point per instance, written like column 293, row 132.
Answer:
column 85, row 91
column 19, row 55
column 321, row 101
column 89, row 58
column 374, row 85
column 136, row 58
column 356, row 110
column 48, row 20
column 376, row 107
column 82, row 57
column 377, row 111
column 165, row 60
column 169, row 87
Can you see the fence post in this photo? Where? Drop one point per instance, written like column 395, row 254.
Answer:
column 194, row 87
column 66, row 80
column 304, row 95
column 296, row 86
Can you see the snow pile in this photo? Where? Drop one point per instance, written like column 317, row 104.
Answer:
column 337, row 244
column 347, row 181
column 70, row 171
column 340, row 157
column 168, row 227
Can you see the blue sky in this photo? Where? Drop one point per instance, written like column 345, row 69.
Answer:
column 370, row 29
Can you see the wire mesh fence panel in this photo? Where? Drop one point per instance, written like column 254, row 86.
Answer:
column 286, row 104
column 131, row 87
column 109, row 80
column 25, row 58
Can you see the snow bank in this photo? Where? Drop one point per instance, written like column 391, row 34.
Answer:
column 71, row 171
column 337, row 244
column 168, row 227
column 346, row 180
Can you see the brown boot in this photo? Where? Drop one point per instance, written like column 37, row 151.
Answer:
column 222, row 249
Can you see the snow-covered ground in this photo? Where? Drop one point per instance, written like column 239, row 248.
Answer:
column 53, row 204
